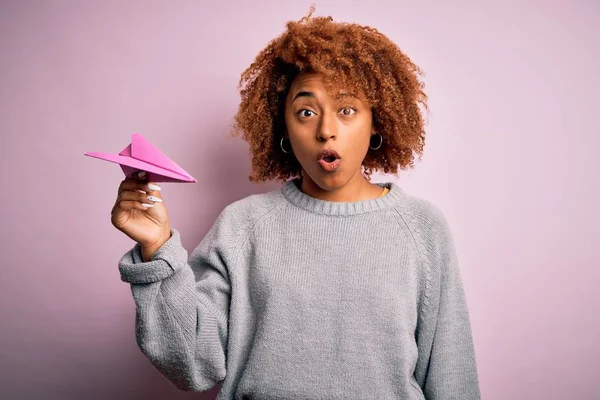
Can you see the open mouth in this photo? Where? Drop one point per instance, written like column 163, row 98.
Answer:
column 329, row 160
column 328, row 155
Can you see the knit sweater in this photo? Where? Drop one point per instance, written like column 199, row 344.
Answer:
column 293, row 297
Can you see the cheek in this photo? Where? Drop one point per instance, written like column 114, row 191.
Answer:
column 293, row 126
column 361, row 136
column 286, row 120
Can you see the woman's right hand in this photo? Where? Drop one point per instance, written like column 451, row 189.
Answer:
column 149, row 226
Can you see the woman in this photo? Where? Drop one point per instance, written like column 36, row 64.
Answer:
column 331, row 286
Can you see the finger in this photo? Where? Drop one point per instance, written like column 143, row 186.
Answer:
column 137, row 175
column 134, row 196
column 139, row 195
column 144, row 200
column 128, row 195
column 129, row 205
column 148, row 187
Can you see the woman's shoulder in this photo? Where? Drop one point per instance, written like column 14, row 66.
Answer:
column 255, row 203
column 239, row 218
column 421, row 213
column 247, row 211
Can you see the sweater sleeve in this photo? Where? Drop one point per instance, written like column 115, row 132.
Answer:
column 182, row 308
column 446, row 367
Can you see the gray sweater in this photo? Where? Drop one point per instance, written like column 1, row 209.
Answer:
column 292, row 297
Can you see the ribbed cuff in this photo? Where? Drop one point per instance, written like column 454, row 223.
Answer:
column 171, row 257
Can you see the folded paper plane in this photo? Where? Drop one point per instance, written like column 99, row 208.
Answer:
column 141, row 155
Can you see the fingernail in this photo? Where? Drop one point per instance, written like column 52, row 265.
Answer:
column 141, row 174
column 147, row 205
column 153, row 187
column 154, row 199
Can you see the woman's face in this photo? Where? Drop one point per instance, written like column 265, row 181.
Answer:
column 315, row 121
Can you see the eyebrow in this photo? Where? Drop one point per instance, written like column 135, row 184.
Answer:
column 311, row 94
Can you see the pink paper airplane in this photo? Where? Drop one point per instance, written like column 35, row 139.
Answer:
column 142, row 155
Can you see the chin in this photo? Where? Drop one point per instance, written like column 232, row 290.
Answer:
column 329, row 182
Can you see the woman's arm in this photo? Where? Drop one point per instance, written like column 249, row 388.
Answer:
column 182, row 308
column 446, row 367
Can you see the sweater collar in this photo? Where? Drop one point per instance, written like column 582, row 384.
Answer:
column 292, row 192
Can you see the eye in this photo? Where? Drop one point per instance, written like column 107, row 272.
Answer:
column 304, row 109
column 349, row 109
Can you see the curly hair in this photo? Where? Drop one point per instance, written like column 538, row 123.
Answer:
column 353, row 57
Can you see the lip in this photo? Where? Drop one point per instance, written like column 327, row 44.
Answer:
column 330, row 166
column 328, row 152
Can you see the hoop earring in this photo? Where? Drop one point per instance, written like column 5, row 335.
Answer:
column 380, row 141
column 281, row 145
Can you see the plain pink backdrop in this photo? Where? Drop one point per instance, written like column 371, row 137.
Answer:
column 511, row 158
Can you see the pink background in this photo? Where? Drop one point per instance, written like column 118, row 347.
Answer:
column 511, row 159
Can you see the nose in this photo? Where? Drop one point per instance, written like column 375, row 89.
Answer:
column 327, row 128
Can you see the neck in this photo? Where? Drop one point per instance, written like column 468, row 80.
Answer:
column 358, row 188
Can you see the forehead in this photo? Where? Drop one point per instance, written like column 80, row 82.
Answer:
column 313, row 82
column 312, row 79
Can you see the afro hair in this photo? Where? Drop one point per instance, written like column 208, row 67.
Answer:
column 349, row 56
